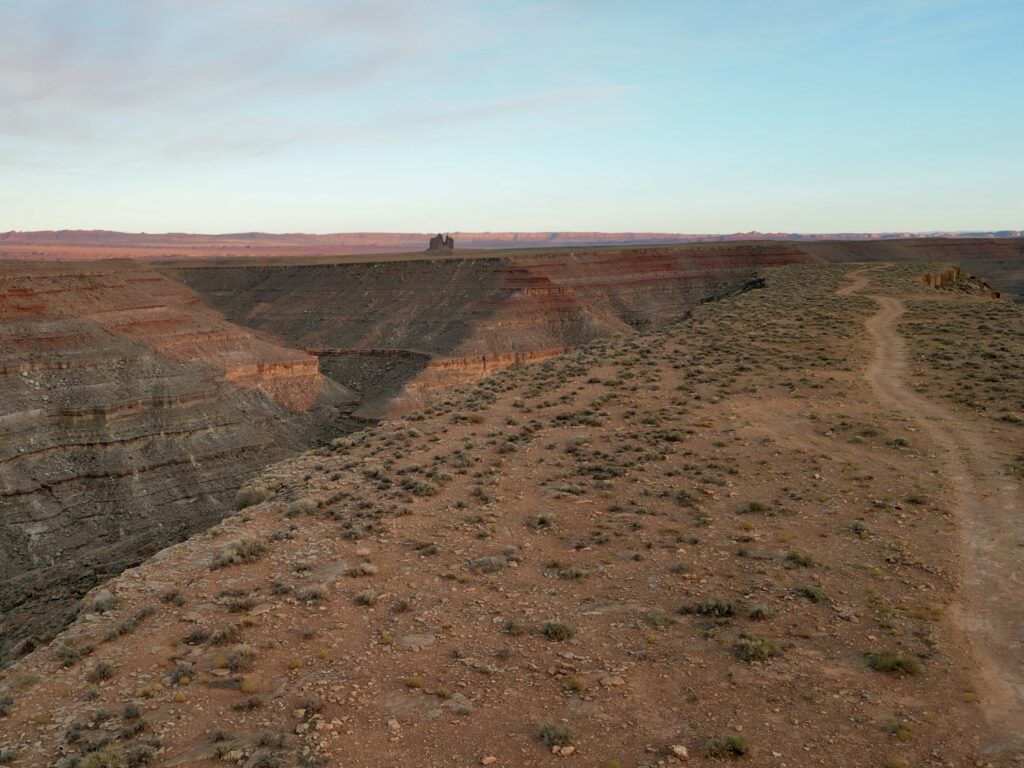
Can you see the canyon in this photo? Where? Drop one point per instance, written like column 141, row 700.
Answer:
column 140, row 395
column 780, row 526
column 137, row 397
column 393, row 330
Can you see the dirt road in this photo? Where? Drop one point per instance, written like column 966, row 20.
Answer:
column 990, row 509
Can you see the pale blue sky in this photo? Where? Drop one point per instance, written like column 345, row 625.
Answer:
column 388, row 115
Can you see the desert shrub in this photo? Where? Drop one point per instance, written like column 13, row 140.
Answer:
column 240, row 606
column 487, row 564
column 181, row 674
column 892, row 663
column 657, row 618
column 251, row 704
column 300, row 507
column 551, row 735
column 313, row 594
column 6, row 702
column 802, row 559
column 173, row 597
column 132, row 729
column 240, row 659
column 250, row 496
column 225, row 635
column 271, row 739
column 242, row 551
column 752, row 648
column 557, row 630
column 542, row 522
column 760, row 613
column 366, row 597
column 197, row 637
column 716, row 607
column 572, row 573
column 812, row 593
column 730, row 745
column 103, row 602
column 513, row 627
column 103, row 670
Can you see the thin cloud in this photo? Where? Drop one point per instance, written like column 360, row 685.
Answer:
column 195, row 79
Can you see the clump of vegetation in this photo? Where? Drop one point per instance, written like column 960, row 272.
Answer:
column 657, row 619
column 491, row 564
column 197, row 636
column 753, row 648
column 802, row 559
column 225, row 635
column 173, row 597
column 103, row 602
column 730, row 745
column 300, row 507
column 366, row 597
column 551, row 735
column 542, row 522
column 715, row 607
column 241, row 659
column 6, row 702
column 812, row 593
column 892, row 663
column 237, row 552
column 557, row 630
column 760, row 613
column 181, row 674
column 312, row 594
column 250, row 496
column 103, row 670
column 513, row 627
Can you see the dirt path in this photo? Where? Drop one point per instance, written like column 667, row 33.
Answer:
column 989, row 506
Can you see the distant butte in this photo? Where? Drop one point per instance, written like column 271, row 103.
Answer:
column 441, row 243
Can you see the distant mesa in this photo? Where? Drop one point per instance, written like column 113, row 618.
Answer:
column 441, row 243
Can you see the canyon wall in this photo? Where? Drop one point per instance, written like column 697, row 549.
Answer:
column 129, row 415
column 395, row 329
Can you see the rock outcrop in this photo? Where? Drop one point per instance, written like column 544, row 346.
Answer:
column 129, row 415
column 953, row 279
column 441, row 242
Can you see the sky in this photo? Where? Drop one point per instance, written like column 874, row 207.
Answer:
column 693, row 116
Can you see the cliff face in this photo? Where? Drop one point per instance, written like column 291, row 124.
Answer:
column 394, row 331
column 129, row 414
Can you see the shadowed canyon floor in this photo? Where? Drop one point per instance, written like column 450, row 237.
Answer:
column 746, row 535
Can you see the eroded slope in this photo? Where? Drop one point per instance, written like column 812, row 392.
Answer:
column 129, row 416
